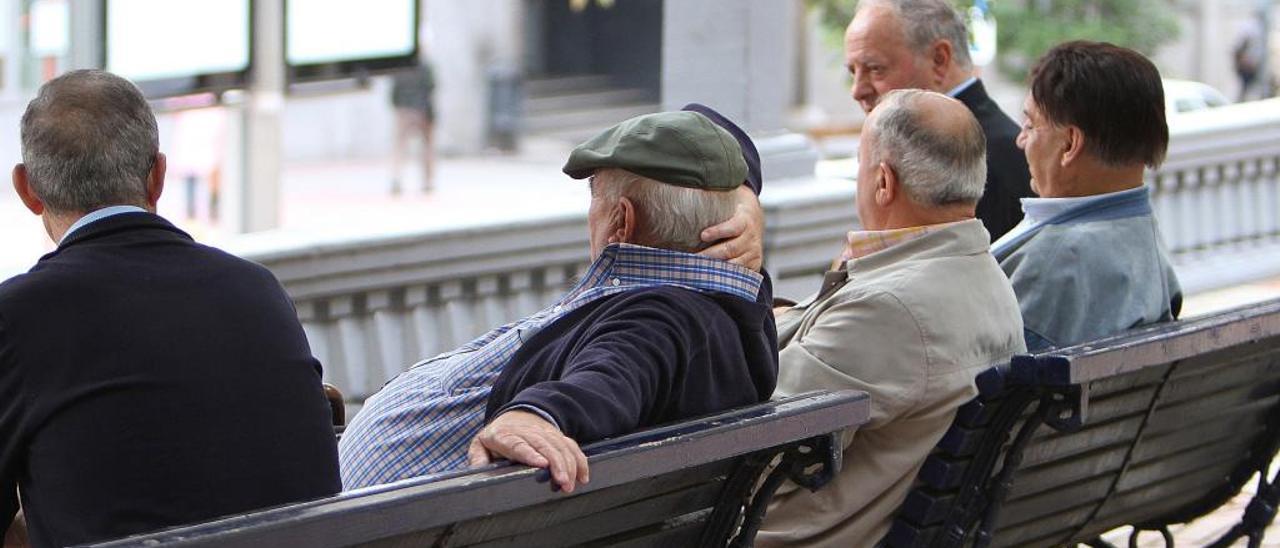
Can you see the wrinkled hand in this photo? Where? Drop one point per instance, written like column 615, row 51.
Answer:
column 741, row 238
column 524, row 437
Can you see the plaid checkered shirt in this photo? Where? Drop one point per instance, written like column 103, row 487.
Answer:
column 422, row 421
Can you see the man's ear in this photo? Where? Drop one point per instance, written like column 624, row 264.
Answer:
column 942, row 53
column 1072, row 145
column 22, row 185
column 886, row 185
column 155, row 180
column 622, row 222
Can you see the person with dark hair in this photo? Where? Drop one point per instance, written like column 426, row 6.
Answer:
column 1088, row 261
column 146, row 380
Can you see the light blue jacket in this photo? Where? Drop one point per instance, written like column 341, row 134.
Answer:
column 1091, row 271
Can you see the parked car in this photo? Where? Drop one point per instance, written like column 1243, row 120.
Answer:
column 1183, row 96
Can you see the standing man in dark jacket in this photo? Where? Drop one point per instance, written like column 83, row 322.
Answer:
column 146, row 381
column 652, row 333
column 923, row 44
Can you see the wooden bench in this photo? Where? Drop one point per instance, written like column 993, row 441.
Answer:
column 1152, row 427
column 687, row 484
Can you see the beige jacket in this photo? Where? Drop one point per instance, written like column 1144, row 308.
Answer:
column 912, row 326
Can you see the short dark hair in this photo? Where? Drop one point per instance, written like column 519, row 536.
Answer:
column 89, row 139
column 1113, row 94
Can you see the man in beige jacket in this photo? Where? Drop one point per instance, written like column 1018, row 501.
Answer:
column 915, row 308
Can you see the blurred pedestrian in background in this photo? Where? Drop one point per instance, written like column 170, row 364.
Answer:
column 411, row 93
column 1249, row 54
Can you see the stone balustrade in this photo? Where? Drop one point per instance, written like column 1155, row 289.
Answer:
column 373, row 306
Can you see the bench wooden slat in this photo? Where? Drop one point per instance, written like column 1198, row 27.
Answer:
column 1157, row 499
column 1050, row 502
column 685, row 532
column 1236, row 403
column 1103, row 436
column 570, row 521
column 1054, row 474
column 423, row 510
column 1131, row 351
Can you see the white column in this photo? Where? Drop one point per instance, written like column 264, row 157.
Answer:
column 86, row 35
column 1208, row 40
column 259, row 196
column 10, row 51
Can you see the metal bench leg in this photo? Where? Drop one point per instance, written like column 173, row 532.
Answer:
column 824, row 452
column 1003, row 482
column 1257, row 516
column 1164, row 532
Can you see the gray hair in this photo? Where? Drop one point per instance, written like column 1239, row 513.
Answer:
column 667, row 216
column 937, row 167
column 89, row 139
column 926, row 22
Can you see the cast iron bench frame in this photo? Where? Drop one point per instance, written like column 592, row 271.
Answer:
column 962, row 487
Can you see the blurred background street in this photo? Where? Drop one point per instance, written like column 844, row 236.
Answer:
column 286, row 152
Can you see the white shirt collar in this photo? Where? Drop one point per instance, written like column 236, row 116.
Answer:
column 98, row 215
column 1040, row 210
column 963, row 86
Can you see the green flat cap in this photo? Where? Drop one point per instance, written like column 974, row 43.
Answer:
column 678, row 148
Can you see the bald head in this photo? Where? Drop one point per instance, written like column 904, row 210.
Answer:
column 934, row 145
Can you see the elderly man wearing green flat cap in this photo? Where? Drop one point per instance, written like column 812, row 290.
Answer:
column 652, row 333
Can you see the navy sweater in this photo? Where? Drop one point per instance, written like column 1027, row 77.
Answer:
column 148, row 381
column 642, row 358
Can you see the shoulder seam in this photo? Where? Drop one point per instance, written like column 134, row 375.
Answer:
column 928, row 359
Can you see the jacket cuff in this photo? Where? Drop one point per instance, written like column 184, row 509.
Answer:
column 536, row 411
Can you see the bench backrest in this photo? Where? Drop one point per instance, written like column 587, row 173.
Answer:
column 1154, row 426
column 688, row 484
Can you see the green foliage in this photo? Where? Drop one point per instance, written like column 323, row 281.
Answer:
column 1028, row 28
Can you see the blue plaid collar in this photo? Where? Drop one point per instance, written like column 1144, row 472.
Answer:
column 623, row 265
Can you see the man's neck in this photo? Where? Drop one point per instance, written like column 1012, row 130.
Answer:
column 1096, row 179
column 920, row 216
column 955, row 77
column 56, row 225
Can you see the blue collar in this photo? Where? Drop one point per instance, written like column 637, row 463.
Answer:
column 98, row 215
column 1105, row 207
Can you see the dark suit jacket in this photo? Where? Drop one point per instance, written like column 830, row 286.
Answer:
column 1008, row 178
column 148, row 381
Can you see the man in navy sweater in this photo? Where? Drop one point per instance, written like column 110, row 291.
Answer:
column 146, row 380
column 653, row 332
